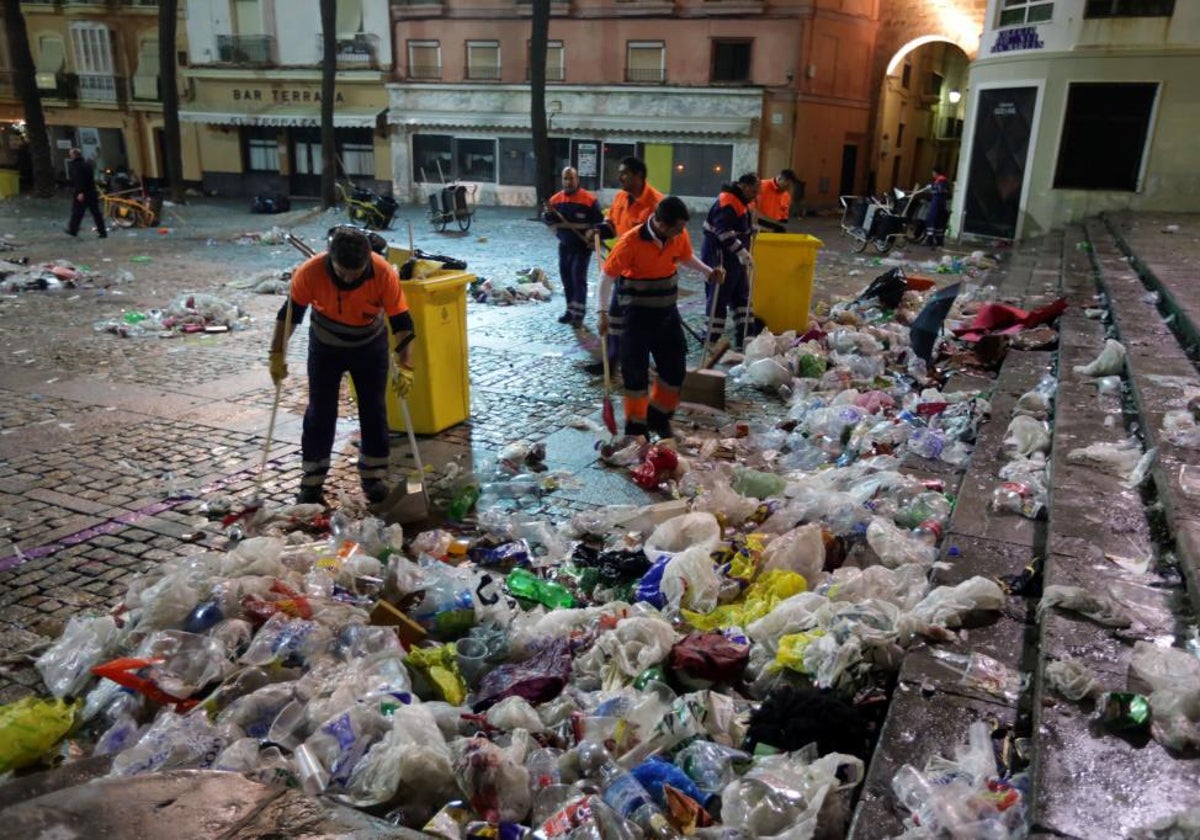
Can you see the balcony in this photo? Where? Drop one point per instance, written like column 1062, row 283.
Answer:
column 482, row 73
column 8, row 86
column 645, row 75
column 553, row 74
column 66, row 88
column 255, row 50
column 358, row 53
column 428, row 72
column 417, row 8
column 100, row 87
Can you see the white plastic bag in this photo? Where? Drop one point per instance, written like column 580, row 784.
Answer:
column 896, row 547
column 690, row 582
column 1027, row 435
column 1098, row 606
column 1110, row 362
column 681, row 533
column 86, row 642
column 800, row 550
column 411, row 762
column 1071, row 678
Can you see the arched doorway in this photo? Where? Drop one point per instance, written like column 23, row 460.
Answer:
column 919, row 120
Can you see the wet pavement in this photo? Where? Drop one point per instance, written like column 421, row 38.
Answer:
column 110, row 448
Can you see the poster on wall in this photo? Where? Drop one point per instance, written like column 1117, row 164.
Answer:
column 999, row 154
column 589, row 160
column 89, row 144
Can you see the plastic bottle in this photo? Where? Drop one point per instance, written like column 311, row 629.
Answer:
column 1017, row 497
column 928, row 532
column 622, row 792
column 464, row 499
column 525, row 584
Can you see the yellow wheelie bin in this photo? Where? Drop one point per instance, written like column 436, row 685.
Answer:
column 10, row 183
column 783, row 279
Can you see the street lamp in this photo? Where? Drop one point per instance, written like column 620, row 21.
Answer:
column 955, row 96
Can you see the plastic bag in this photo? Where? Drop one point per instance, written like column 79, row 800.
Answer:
column 411, row 762
column 768, row 374
column 173, row 741
column 1117, row 459
column 30, row 727
column 327, row 760
column 896, row 547
column 1098, row 606
column 66, row 667
column 1027, row 435
column 439, row 667
column 800, row 550
column 1071, row 678
column 758, row 600
column 681, row 533
column 946, row 606
column 496, row 786
column 537, row 679
column 689, row 581
column 762, row 346
column 1179, row 428
column 705, row 658
column 1110, row 362
column 1162, row 668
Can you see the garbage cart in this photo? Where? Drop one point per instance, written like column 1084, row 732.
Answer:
column 783, row 279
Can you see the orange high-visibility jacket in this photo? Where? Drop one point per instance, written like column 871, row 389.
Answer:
column 628, row 212
column 773, row 201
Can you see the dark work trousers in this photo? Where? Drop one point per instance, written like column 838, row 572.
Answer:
column 733, row 294
column 573, row 269
column 91, row 201
column 616, row 326
column 368, row 368
column 658, row 334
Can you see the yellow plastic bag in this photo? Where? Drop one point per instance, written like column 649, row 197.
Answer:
column 30, row 727
column 439, row 665
column 759, row 599
column 792, row 648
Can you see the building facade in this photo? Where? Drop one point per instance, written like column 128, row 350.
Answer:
column 1078, row 107
column 253, row 102
column 97, row 71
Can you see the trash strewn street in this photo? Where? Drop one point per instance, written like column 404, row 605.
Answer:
column 858, row 601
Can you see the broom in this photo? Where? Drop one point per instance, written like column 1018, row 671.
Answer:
column 610, row 418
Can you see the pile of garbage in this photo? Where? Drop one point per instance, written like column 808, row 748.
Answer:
column 188, row 314
column 710, row 663
column 530, row 284
column 274, row 236
column 271, row 281
column 18, row 276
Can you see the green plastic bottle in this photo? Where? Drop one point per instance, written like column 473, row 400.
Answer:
column 463, row 501
column 525, row 584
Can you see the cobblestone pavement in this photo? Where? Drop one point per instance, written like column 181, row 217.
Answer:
column 111, row 446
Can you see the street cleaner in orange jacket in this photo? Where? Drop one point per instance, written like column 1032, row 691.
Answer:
column 631, row 207
column 644, row 263
column 774, row 201
column 727, row 233
column 351, row 290
column 574, row 213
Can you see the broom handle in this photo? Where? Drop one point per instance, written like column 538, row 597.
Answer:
column 287, row 329
column 416, row 453
column 712, row 314
column 604, row 336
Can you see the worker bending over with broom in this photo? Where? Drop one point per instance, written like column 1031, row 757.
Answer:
column 351, row 290
column 644, row 263
column 727, row 232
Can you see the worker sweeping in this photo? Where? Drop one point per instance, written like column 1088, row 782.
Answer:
column 351, row 290
column 574, row 213
column 644, row 265
column 630, row 208
column 727, row 231
column 774, row 201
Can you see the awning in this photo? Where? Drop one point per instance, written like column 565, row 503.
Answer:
column 49, row 63
column 283, row 117
column 722, row 126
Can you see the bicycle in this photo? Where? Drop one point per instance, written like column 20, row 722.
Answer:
column 366, row 207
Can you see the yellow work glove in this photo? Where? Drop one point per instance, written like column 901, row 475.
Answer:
column 402, row 379
column 278, row 366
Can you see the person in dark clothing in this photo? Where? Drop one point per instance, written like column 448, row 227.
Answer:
column 935, row 216
column 727, row 232
column 352, row 291
column 574, row 213
column 85, row 196
column 643, row 268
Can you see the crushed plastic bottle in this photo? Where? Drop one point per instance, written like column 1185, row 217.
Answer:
column 622, row 792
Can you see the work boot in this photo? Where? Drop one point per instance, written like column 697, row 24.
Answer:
column 566, row 318
column 375, row 490
column 594, row 368
column 311, row 496
column 633, row 429
column 659, row 423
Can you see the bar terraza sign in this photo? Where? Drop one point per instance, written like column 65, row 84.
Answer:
column 282, row 97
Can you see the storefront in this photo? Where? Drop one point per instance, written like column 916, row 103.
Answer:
column 264, row 136
column 691, row 141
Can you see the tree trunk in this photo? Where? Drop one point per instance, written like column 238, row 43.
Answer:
column 328, row 79
column 537, row 100
column 26, row 88
column 168, row 21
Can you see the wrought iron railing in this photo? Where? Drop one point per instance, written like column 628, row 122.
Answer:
column 246, row 49
column 645, row 74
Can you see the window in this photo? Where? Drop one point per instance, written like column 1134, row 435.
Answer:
column 92, row 46
column 555, row 71
column 1129, row 8
column 906, row 76
column 518, row 166
column 731, row 61
column 262, row 149
column 433, row 158
column 348, row 21
column 1104, row 136
column 934, row 87
column 700, row 169
column 51, row 55
column 145, row 81
column 899, row 135
column 475, row 159
column 1021, row 12
column 424, row 60
column 645, row 61
column 357, row 149
column 483, row 60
